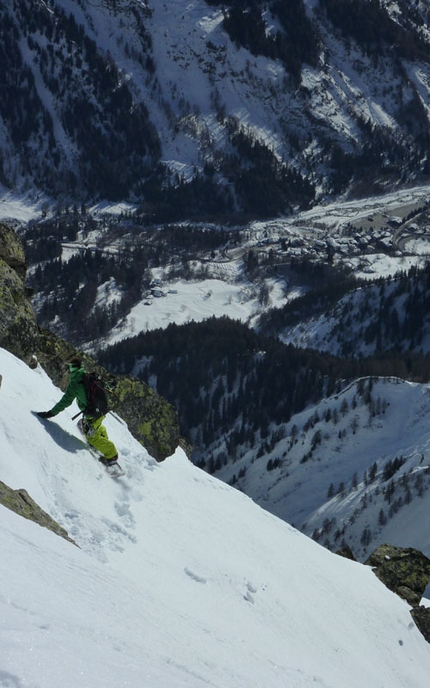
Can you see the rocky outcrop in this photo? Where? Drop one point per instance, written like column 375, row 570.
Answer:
column 405, row 571
column 12, row 250
column 18, row 327
column 150, row 418
column 21, row 503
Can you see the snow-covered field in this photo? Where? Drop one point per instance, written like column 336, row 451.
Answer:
column 186, row 301
column 178, row 580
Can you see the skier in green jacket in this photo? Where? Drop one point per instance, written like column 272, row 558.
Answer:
column 93, row 428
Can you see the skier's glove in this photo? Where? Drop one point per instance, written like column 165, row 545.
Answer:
column 45, row 414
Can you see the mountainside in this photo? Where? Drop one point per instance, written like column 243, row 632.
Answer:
column 352, row 470
column 392, row 316
column 189, row 107
column 177, row 580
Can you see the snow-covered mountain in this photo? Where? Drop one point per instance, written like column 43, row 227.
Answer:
column 178, row 580
column 353, row 469
column 132, row 99
column 389, row 316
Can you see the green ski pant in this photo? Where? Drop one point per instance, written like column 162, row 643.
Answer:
column 97, row 436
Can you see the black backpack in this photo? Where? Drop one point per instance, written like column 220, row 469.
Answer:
column 97, row 398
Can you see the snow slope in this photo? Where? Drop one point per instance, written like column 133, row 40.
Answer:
column 187, row 301
column 322, row 466
column 179, row 580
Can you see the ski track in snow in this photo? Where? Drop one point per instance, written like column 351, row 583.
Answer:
column 95, row 535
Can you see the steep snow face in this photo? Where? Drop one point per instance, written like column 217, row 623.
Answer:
column 179, row 579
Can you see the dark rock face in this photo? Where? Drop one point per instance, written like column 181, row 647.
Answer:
column 405, row 571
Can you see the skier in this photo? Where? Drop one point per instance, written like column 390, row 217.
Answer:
column 93, row 428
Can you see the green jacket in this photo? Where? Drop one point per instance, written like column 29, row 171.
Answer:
column 75, row 390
